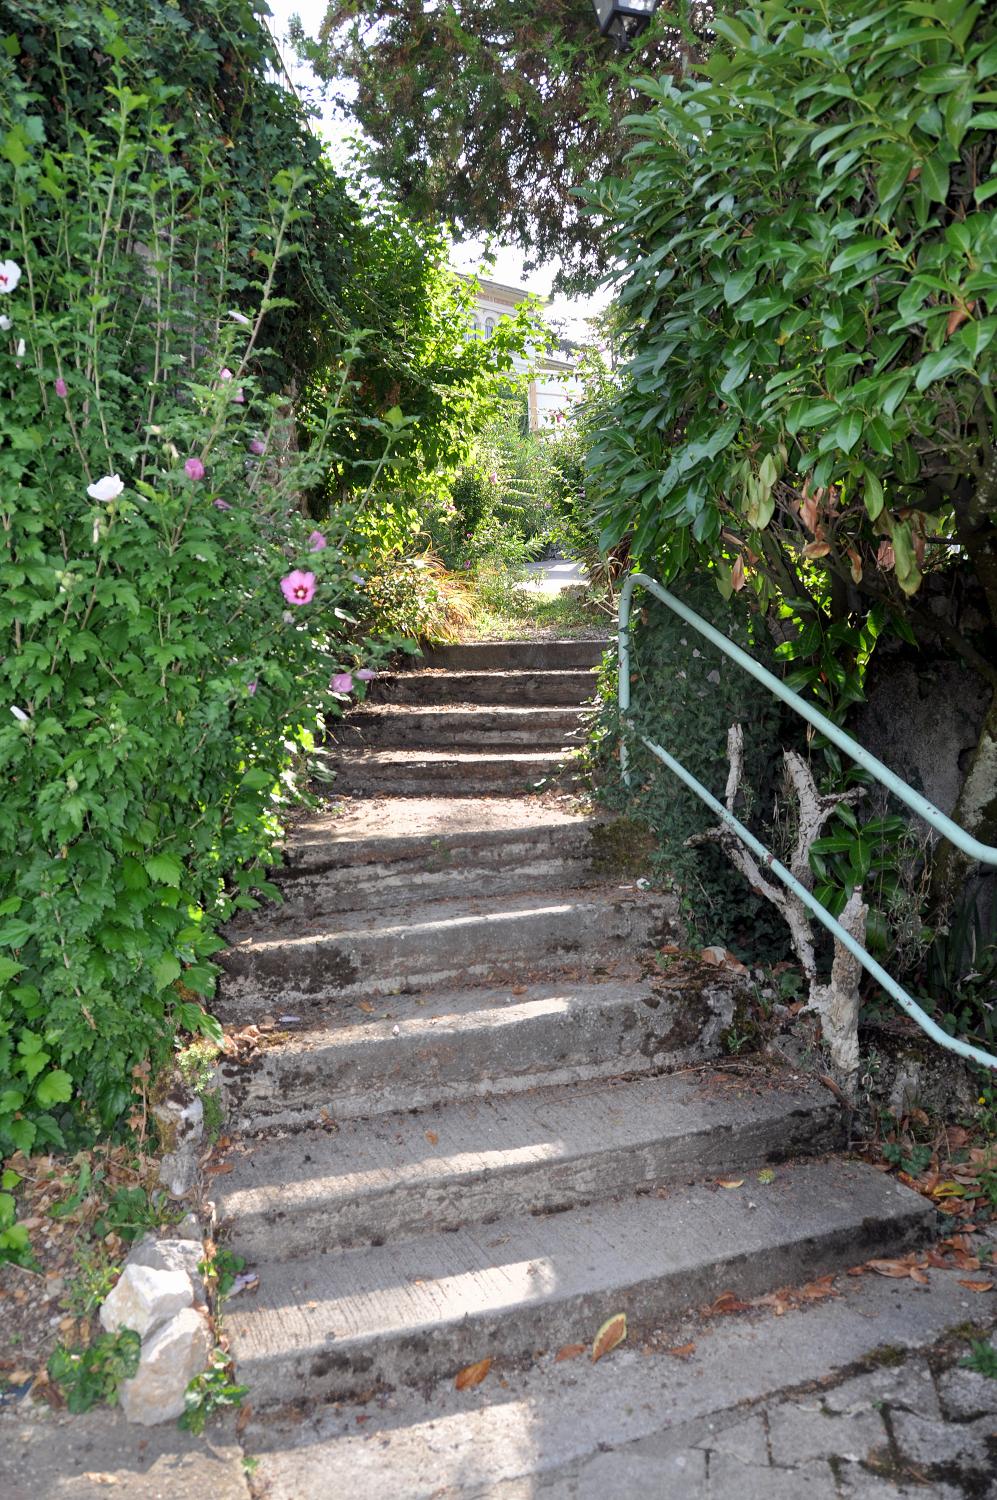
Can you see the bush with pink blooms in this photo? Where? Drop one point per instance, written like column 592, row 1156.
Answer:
column 173, row 622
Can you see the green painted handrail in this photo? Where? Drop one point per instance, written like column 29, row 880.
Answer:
column 984, row 853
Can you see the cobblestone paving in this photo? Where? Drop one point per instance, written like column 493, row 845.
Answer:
column 923, row 1428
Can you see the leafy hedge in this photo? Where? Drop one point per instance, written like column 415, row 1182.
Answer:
column 175, row 626
column 809, row 302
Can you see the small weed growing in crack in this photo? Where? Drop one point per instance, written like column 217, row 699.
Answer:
column 210, row 1392
column 982, row 1358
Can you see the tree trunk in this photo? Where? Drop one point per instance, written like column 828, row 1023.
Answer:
column 976, row 812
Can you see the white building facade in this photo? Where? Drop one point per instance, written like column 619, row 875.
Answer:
column 554, row 385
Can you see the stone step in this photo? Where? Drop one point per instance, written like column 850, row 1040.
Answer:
column 539, row 1152
column 519, row 656
column 469, row 863
column 349, row 1322
column 405, row 881
column 359, row 831
column 751, row 1390
column 414, row 1051
column 478, row 727
column 417, row 773
column 309, row 964
column 568, row 686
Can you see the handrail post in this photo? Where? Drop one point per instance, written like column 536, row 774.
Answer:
column 623, row 670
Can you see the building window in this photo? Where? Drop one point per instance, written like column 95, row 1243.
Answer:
column 489, row 327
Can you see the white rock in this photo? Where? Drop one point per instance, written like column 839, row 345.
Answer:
column 172, row 1254
column 144, row 1297
column 171, row 1357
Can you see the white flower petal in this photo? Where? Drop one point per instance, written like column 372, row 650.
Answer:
column 21, row 348
column 10, row 275
column 238, row 317
column 20, row 715
column 108, row 488
column 6, row 324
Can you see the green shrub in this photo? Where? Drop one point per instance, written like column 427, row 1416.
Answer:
column 156, row 675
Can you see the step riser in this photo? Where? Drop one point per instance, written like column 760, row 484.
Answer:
column 369, row 1071
column 532, row 1312
column 414, row 957
column 456, row 781
column 424, row 731
column 363, row 886
column 548, row 689
column 507, row 656
column 376, row 1215
column 574, row 839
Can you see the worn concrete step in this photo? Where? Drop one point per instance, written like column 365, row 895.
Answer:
column 461, row 773
column 412, row 1051
column 795, row 1391
column 567, row 686
column 470, row 865
column 478, row 727
column 342, row 1324
column 458, row 1164
column 404, row 880
column 521, row 656
column 308, row 964
column 358, row 831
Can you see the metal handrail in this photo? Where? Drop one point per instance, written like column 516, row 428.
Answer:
column 985, row 853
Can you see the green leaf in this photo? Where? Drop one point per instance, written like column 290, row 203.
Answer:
column 937, row 365
column 55, row 1088
column 872, row 494
column 166, row 970
column 848, row 431
column 855, row 251
column 8, row 968
column 256, row 779
column 164, row 868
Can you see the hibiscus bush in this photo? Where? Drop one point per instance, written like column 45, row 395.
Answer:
column 175, row 628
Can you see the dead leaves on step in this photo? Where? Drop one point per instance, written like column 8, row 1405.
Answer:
column 472, row 1375
column 612, row 1332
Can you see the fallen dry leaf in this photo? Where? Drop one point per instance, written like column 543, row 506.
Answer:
column 243, row 1419
column 975, row 1286
column 472, row 1375
column 730, row 1182
column 365, row 1005
column 570, row 1351
column 727, row 1302
column 682, row 1351
column 220, row 1169
column 432, row 1137
column 612, row 1332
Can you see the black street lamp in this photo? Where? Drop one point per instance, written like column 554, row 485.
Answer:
column 624, row 20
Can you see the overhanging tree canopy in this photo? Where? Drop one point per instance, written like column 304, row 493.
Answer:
column 487, row 114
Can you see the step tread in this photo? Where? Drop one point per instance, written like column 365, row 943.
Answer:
column 358, row 829
column 440, row 1152
column 488, row 1289
column 438, row 914
column 406, row 756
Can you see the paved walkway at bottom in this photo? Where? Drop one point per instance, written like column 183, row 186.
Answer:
column 891, row 1432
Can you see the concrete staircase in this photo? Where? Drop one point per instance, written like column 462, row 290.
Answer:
column 484, row 1119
